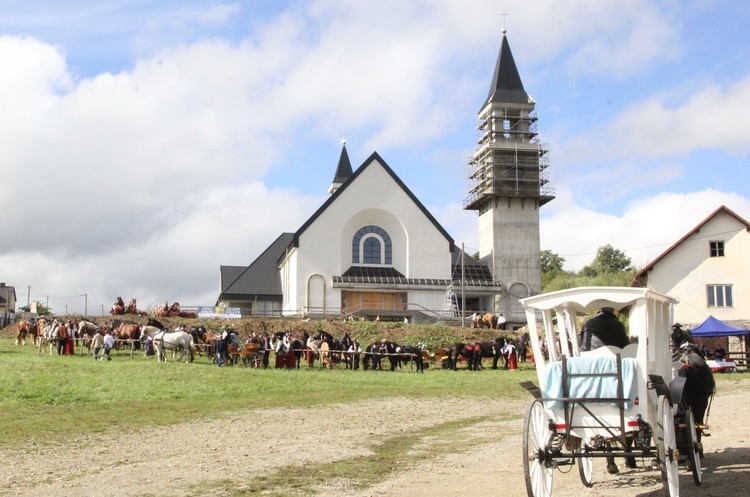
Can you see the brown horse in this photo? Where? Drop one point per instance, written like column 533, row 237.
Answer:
column 22, row 329
column 86, row 331
column 491, row 321
column 168, row 311
column 118, row 308
column 132, row 308
column 128, row 331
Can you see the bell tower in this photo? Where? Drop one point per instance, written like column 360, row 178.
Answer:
column 507, row 186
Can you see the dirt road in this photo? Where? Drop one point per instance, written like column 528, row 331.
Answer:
column 244, row 446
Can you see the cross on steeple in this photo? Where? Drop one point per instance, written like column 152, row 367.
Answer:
column 504, row 14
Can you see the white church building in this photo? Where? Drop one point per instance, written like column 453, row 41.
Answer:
column 373, row 249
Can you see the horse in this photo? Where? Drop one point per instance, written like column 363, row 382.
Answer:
column 487, row 320
column 118, row 308
column 392, row 351
column 336, row 348
column 296, row 348
column 22, row 329
column 522, row 345
column 312, row 352
column 180, row 341
column 49, row 334
column 132, row 308
column 198, row 333
column 474, row 353
column 398, row 355
column 699, row 379
column 128, row 331
column 167, row 311
column 86, row 330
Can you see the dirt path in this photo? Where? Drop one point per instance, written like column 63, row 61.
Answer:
column 246, row 445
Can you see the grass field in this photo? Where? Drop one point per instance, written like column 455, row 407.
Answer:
column 37, row 391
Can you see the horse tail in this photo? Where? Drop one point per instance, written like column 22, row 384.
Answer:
column 192, row 348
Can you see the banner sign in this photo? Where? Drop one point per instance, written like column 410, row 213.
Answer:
column 219, row 312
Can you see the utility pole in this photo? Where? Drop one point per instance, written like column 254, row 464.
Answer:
column 28, row 297
column 86, row 304
column 463, row 280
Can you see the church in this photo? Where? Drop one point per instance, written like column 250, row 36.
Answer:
column 373, row 250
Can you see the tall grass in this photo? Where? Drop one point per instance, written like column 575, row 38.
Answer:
column 45, row 397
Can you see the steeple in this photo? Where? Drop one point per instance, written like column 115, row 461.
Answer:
column 508, row 184
column 343, row 171
column 506, row 82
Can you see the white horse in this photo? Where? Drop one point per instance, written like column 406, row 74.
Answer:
column 49, row 336
column 175, row 340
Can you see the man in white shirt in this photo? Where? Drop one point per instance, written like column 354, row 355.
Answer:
column 109, row 342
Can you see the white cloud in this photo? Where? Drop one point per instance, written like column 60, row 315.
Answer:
column 143, row 180
column 644, row 230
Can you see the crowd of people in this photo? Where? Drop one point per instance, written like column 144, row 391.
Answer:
column 63, row 335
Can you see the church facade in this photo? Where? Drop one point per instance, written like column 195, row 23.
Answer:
column 373, row 249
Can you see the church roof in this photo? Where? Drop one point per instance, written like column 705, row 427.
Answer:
column 475, row 273
column 375, row 157
column 344, row 169
column 384, row 276
column 261, row 278
column 506, row 84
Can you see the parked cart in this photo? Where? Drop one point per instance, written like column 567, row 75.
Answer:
column 608, row 402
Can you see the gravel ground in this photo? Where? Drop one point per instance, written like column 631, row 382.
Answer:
column 241, row 446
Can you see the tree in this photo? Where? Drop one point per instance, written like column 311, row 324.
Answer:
column 551, row 261
column 610, row 267
column 41, row 308
column 608, row 260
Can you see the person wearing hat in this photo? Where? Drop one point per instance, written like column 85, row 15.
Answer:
column 598, row 331
column 603, row 329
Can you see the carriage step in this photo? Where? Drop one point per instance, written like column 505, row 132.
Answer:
column 532, row 389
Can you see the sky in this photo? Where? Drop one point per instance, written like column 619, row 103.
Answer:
column 144, row 144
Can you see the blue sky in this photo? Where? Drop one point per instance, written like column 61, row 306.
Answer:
column 145, row 143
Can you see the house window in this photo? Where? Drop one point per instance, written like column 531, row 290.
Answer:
column 719, row 295
column 372, row 245
column 716, row 248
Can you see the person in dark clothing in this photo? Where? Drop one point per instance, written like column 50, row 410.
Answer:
column 265, row 348
column 603, row 329
column 222, row 344
column 598, row 331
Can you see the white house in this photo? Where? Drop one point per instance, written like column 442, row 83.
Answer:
column 708, row 270
column 7, row 304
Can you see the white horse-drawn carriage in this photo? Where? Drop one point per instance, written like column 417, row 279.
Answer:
column 608, row 402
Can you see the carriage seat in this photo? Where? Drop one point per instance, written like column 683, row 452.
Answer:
column 592, row 377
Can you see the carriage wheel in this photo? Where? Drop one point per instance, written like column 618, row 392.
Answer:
column 537, row 470
column 693, row 447
column 585, row 464
column 667, row 449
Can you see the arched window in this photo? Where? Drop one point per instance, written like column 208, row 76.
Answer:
column 371, row 245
